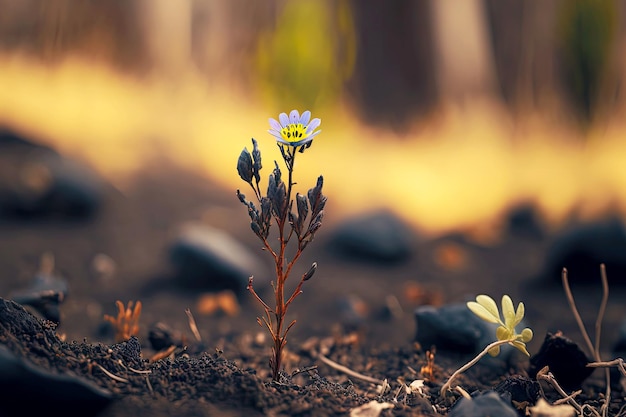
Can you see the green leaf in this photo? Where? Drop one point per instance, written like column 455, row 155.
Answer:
column 502, row 333
column 494, row 351
column 519, row 314
column 526, row 335
column 490, row 305
column 482, row 312
column 508, row 312
column 521, row 346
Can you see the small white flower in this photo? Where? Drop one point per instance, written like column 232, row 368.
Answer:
column 295, row 129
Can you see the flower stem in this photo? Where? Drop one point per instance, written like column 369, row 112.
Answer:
column 279, row 337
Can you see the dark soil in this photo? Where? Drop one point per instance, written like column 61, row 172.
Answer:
column 227, row 372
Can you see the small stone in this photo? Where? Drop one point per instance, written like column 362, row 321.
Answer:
column 582, row 249
column 519, row 389
column 452, row 327
column 378, row 237
column 481, row 405
column 566, row 361
column 209, row 258
column 161, row 336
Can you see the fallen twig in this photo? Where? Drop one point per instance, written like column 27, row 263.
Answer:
column 349, row 371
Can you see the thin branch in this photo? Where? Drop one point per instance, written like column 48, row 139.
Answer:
column 267, row 246
column 618, row 363
column 593, row 348
column 348, row 371
column 111, row 375
column 193, row 326
column 603, row 304
column 572, row 304
column 546, row 375
column 259, row 299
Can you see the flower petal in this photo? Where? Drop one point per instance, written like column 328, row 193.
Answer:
column 284, row 119
column 275, row 125
column 276, row 134
column 311, row 136
column 304, row 119
column 294, row 117
column 283, row 141
column 302, row 142
column 313, row 125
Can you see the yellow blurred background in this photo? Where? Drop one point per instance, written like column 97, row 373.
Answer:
column 446, row 112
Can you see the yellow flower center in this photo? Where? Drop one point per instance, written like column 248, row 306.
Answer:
column 294, row 132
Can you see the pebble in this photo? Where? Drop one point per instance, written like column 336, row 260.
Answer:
column 209, row 258
column 520, row 389
column 452, row 327
column 481, row 405
column 380, row 237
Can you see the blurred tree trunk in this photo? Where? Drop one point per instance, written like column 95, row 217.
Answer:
column 464, row 58
column 525, row 49
column 166, row 28
column 225, row 35
column 394, row 78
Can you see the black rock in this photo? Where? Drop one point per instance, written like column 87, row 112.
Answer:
column 208, row 258
column 519, row 389
column 378, row 237
column 37, row 182
column 452, row 327
column 583, row 248
column 482, row 405
column 162, row 336
column 567, row 362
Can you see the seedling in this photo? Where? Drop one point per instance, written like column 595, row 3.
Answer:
column 486, row 308
column 294, row 134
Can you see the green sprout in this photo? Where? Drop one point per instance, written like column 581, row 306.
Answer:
column 486, row 308
column 294, row 133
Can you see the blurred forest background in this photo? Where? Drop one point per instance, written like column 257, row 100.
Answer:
column 448, row 112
